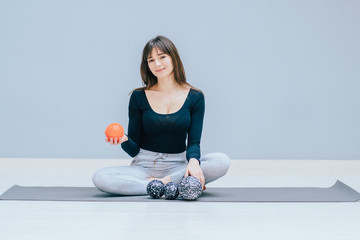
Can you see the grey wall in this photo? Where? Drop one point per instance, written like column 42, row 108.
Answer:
column 281, row 78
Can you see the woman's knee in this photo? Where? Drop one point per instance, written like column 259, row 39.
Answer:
column 224, row 162
column 114, row 181
column 220, row 161
column 99, row 180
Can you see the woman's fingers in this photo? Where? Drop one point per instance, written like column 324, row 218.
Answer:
column 114, row 141
column 200, row 176
column 197, row 174
column 186, row 172
column 202, row 180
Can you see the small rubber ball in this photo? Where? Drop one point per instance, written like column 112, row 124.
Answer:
column 114, row 130
column 190, row 188
column 155, row 188
column 171, row 191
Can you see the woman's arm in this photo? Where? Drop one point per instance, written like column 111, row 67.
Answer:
column 195, row 129
column 131, row 146
column 194, row 136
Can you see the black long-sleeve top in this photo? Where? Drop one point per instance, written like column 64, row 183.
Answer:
column 165, row 133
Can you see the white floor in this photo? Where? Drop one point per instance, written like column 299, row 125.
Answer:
column 180, row 220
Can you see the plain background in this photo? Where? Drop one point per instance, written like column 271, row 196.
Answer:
column 281, row 78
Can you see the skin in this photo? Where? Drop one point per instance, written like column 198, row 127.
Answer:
column 166, row 97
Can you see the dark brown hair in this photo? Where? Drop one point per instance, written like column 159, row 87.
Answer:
column 166, row 46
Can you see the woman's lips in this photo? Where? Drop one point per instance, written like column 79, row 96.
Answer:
column 160, row 70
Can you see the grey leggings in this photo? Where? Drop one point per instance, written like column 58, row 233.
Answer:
column 133, row 179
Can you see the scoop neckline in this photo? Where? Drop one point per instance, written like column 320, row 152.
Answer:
column 167, row 114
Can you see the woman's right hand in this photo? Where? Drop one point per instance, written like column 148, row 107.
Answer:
column 115, row 141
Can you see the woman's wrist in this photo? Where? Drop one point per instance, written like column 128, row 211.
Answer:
column 125, row 137
column 194, row 160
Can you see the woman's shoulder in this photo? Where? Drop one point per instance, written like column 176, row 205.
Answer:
column 136, row 97
column 193, row 89
column 137, row 91
column 197, row 93
column 140, row 89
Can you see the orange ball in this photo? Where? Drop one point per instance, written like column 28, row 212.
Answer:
column 114, row 130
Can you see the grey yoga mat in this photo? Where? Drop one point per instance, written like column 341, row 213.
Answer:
column 339, row 192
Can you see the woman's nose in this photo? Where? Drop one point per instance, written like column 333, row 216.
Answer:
column 157, row 62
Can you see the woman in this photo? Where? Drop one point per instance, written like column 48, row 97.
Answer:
column 161, row 115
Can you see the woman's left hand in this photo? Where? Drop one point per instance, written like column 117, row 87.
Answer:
column 193, row 169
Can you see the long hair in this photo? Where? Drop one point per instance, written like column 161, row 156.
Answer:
column 166, row 46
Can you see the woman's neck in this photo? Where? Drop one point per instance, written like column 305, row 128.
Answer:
column 167, row 85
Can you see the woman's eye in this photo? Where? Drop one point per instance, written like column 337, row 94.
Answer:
column 153, row 60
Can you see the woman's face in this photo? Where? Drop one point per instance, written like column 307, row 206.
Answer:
column 160, row 63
